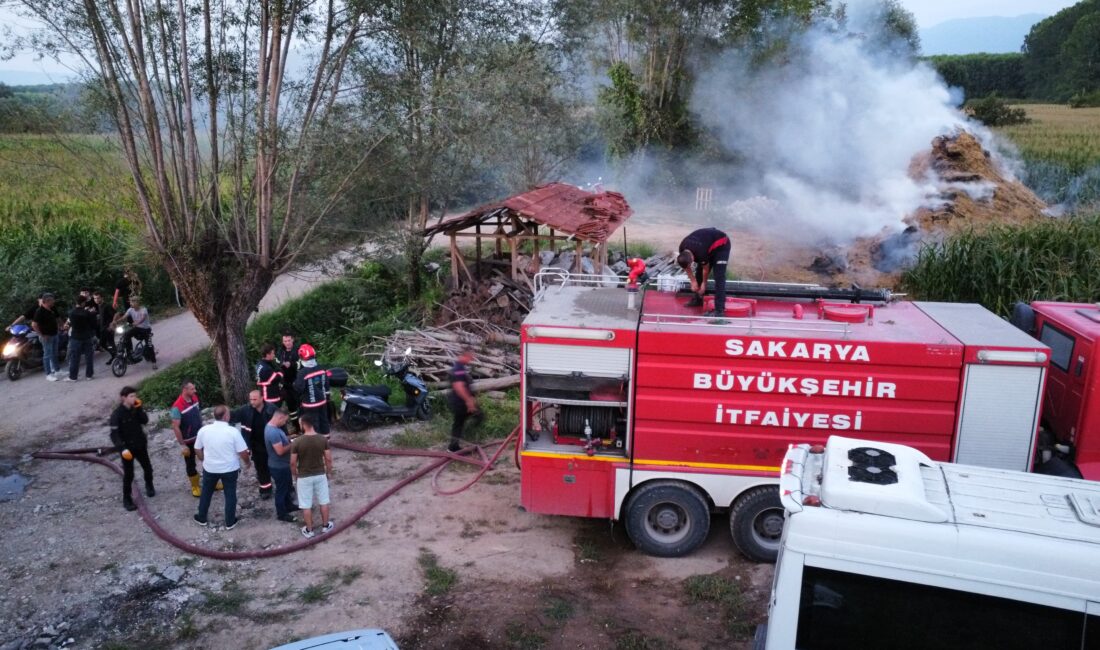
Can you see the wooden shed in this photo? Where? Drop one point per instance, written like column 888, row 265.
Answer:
column 547, row 215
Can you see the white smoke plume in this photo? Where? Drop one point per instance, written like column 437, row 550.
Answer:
column 830, row 133
column 825, row 138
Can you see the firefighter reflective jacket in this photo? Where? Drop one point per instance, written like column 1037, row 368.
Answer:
column 312, row 386
column 269, row 379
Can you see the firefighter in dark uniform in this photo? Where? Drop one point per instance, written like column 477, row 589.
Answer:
column 269, row 378
column 253, row 418
column 312, row 387
column 128, row 436
column 462, row 401
column 286, row 356
column 709, row 250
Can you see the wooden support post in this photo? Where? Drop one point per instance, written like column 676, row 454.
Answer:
column 454, row 261
column 477, row 267
column 577, row 259
column 514, row 251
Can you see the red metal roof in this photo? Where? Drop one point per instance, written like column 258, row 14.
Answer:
column 565, row 208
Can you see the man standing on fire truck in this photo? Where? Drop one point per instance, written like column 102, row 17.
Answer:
column 312, row 387
column 709, row 250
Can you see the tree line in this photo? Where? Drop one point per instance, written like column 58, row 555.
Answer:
column 1059, row 62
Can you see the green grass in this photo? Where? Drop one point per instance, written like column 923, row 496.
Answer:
column 438, row 580
column 316, row 593
column 521, row 637
column 1057, row 259
column 230, row 601
column 724, row 592
column 635, row 640
column 558, row 609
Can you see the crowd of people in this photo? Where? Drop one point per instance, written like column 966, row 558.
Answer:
column 89, row 325
column 287, row 460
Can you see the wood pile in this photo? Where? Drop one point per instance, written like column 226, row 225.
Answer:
column 434, row 350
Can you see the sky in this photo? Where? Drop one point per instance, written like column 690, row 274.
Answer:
column 934, row 12
column 24, row 69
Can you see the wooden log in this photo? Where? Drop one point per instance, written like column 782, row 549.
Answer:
column 480, row 385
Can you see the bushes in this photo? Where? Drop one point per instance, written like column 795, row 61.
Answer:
column 338, row 318
column 1046, row 260
column 42, row 249
column 994, row 111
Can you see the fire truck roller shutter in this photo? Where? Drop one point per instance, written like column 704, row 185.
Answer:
column 554, row 359
column 756, row 523
column 997, row 422
column 667, row 518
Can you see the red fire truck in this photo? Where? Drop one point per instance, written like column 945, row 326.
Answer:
column 1069, row 443
column 638, row 408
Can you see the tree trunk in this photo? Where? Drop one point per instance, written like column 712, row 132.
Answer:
column 223, row 292
column 231, row 356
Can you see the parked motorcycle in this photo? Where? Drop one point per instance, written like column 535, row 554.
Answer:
column 366, row 405
column 141, row 350
column 23, row 351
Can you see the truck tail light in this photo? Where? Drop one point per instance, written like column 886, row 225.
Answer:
column 811, row 500
column 817, row 449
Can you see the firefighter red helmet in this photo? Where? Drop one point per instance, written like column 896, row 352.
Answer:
column 306, row 352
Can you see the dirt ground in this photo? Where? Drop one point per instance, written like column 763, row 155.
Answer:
column 465, row 571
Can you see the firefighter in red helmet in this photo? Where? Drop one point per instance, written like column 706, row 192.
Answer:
column 312, row 386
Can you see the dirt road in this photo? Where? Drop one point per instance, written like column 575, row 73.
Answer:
column 471, row 571
column 34, row 409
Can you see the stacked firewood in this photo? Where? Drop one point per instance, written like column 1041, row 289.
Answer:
column 434, row 350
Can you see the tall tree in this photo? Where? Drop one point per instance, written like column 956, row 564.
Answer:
column 433, row 72
column 221, row 137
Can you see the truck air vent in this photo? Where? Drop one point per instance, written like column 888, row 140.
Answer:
column 871, row 465
column 874, row 475
column 871, row 457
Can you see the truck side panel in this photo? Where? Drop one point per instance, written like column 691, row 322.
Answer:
column 742, row 411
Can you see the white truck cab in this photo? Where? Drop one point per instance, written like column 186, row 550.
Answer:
column 884, row 548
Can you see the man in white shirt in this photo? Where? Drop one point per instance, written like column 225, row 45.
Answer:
column 222, row 451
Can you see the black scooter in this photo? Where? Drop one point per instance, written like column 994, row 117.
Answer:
column 367, row 405
column 23, row 351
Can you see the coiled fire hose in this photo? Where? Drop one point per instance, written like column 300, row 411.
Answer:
column 441, row 460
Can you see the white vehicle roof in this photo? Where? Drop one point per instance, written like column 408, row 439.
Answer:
column 891, row 508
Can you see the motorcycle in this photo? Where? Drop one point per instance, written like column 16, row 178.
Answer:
column 123, row 359
column 363, row 406
column 23, row 351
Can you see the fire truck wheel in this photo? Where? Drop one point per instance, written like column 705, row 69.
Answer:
column 667, row 519
column 756, row 523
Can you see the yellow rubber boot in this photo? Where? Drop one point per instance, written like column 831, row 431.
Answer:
column 219, row 487
column 195, row 490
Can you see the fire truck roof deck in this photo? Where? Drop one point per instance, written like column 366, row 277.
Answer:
column 585, row 307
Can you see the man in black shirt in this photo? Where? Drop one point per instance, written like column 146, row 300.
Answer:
column 105, row 313
column 253, row 418
column 128, row 436
column 82, row 329
column 462, row 401
column 286, row 355
column 709, row 250
column 45, row 325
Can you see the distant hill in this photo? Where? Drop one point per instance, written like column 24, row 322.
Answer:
column 993, row 34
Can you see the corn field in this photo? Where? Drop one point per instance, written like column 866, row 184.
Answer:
column 1048, row 260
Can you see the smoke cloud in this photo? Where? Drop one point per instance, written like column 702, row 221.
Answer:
column 823, row 139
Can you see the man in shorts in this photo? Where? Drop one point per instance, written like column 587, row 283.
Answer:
column 311, row 469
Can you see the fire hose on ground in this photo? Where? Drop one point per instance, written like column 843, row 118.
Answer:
column 441, row 459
